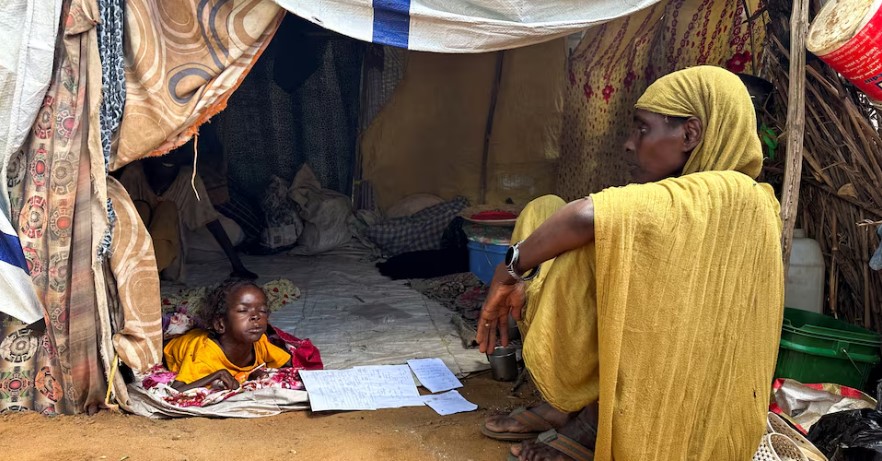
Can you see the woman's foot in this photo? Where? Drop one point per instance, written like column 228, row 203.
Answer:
column 579, row 435
column 523, row 424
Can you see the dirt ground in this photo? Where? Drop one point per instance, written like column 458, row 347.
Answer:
column 398, row 434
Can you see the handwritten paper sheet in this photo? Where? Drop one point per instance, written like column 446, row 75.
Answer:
column 391, row 386
column 449, row 403
column 434, row 375
column 361, row 388
column 335, row 390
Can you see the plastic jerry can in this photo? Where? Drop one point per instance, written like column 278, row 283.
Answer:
column 804, row 287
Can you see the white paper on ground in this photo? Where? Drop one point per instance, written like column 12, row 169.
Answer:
column 434, row 374
column 391, row 386
column 361, row 388
column 449, row 403
column 335, row 390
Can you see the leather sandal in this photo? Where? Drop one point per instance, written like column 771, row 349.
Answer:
column 526, row 418
column 563, row 444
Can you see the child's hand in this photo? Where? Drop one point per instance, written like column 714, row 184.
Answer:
column 258, row 374
column 222, row 379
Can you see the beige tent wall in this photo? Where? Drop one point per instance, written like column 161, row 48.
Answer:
column 429, row 138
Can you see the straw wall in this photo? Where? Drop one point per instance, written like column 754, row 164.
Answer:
column 841, row 194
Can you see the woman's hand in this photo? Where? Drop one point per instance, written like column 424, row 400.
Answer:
column 506, row 295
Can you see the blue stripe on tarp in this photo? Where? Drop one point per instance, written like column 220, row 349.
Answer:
column 10, row 251
column 392, row 22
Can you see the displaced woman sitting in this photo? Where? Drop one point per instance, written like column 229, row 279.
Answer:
column 653, row 312
column 235, row 345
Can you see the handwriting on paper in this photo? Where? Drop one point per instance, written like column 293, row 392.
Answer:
column 434, row 375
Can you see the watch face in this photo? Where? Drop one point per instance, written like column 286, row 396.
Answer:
column 509, row 256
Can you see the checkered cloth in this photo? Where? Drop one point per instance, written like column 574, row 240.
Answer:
column 420, row 231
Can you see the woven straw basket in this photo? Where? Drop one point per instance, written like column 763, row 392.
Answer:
column 777, row 447
column 779, row 426
column 784, row 443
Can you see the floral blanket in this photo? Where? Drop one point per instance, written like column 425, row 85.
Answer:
column 279, row 390
column 157, row 383
column 255, row 399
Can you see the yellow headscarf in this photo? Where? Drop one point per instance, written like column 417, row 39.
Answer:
column 720, row 100
column 680, row 297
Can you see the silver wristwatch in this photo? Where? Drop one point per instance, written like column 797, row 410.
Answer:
column 511, row 263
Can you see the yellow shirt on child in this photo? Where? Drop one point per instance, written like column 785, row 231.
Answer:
column 194, row 355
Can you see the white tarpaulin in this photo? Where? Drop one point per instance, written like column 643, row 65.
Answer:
column 354, row 315
column 27, row 47
column 19, row 299
column 27, row 34
column 460, row 26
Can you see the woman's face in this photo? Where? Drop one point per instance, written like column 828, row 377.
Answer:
column 659, row 146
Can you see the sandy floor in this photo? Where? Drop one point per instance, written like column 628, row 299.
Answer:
column 401, row 434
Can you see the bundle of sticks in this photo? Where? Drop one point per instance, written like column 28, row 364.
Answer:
column 840, row 202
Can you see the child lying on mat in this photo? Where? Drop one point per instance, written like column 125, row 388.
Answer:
column 232, row 348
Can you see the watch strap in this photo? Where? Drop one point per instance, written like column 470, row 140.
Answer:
column 512, row 263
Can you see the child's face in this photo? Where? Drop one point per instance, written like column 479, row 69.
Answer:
column 247, row 315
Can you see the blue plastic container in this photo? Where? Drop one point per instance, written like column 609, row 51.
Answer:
column 483, row 259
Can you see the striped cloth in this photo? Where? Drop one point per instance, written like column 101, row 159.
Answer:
column 460, row 26
column 20, row 300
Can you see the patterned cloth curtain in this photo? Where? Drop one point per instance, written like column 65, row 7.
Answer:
column 383, row 69
column 100, row 309
column 51, row 194
column 299, row 105
column 615, row 62
column 185, row 58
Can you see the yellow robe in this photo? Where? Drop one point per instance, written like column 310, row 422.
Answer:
column 194, row 355
column 671, row 319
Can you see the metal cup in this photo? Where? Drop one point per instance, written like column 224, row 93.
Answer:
column 504, row 363
column 513, row 331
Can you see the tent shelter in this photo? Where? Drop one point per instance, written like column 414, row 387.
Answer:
column 130, row 80
column 426, row 137
column 487, row 101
